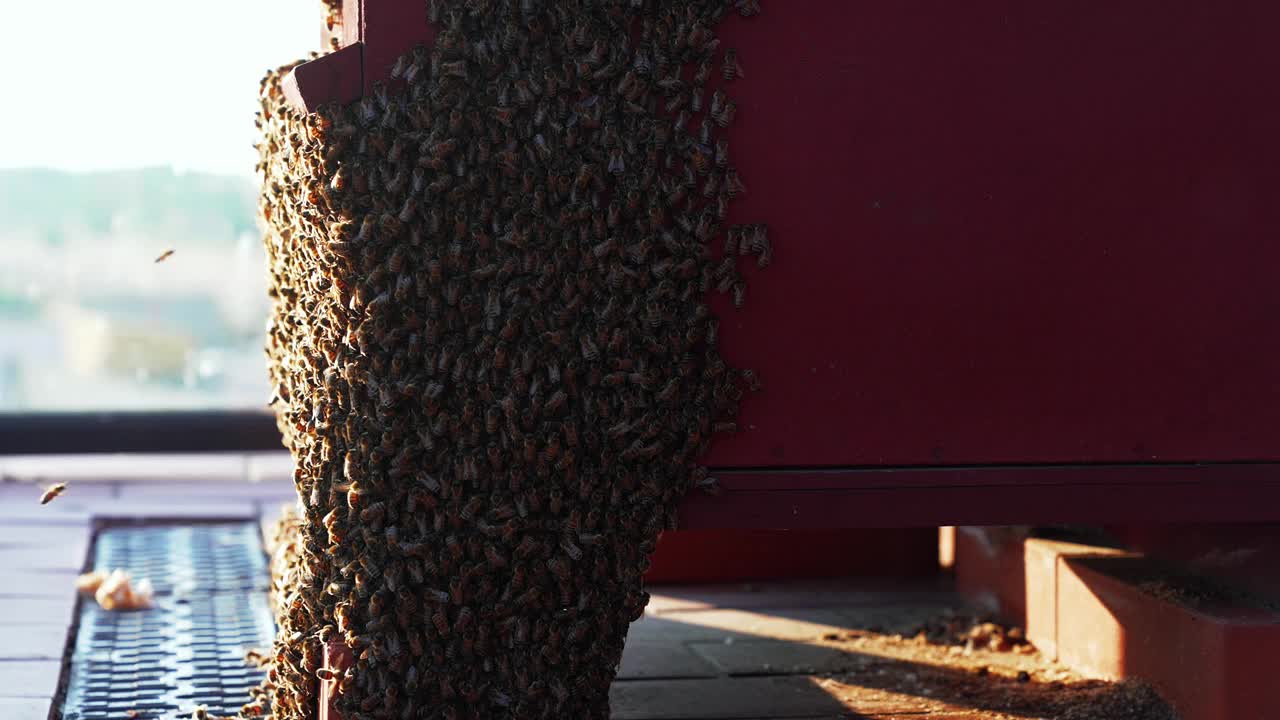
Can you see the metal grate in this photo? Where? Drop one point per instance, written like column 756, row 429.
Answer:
column 210, row 607
column 186, row 559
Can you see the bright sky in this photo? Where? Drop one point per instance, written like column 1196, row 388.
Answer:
column 103, row 84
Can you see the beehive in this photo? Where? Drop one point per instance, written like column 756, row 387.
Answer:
column 492, row 357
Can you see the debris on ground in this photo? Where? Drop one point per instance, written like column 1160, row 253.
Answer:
column 88, row 583
column 972, row 634
column 964, row 663
column 116, row 590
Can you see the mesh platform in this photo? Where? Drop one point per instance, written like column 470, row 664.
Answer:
column 187, row 559
column 210, row 607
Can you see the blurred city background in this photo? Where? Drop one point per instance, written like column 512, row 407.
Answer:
column 109, row 159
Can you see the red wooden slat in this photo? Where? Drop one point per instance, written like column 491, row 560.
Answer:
column 335, row 77
column 1215, row 494
column 992, row 479
column 337, row 657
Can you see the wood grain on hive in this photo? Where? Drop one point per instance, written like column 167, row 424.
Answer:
column 1023, row 260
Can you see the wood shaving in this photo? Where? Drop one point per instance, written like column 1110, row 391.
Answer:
column 116, row 590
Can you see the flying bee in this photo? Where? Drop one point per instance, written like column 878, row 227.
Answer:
column 164, row 256
column 52, row 492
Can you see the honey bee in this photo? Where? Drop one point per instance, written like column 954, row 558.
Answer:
column 617, row 165
column 441, row 623
column 472, row 507
column 732, row 69
column 695, row 99
column 463, row 620
column 52, row 492
column 725, row 117
column 722, row 152
column 703, row 72
column 164, row 256
column 712, row 185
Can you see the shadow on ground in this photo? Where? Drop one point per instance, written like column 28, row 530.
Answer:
column 832, row 651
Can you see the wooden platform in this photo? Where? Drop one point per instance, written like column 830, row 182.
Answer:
column 836, row 649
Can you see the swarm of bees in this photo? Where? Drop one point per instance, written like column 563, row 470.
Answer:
column 492, row 355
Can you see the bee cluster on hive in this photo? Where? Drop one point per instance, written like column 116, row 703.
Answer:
column 492, row 354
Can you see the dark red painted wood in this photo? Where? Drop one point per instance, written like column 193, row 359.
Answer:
column 389, row 29
column 989, row 496
column 337, row 657
column 997, row 477
column 723, row 555
column 373, row 34
column 1246, row 556
column 335, row 77
column 1009, row 232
